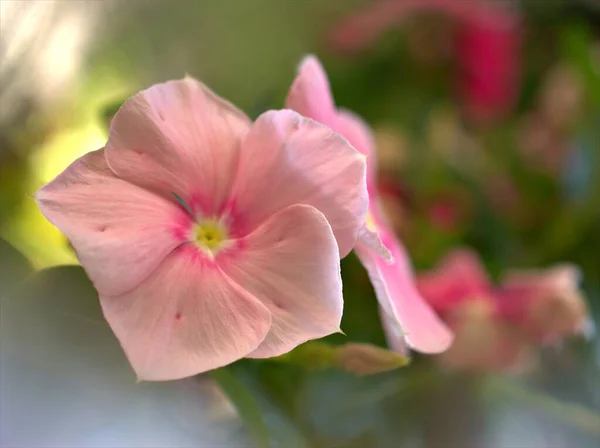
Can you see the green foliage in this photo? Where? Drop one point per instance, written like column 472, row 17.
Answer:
column 245, row 404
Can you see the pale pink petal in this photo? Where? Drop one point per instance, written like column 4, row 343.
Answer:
column 368, row 235
column 310, row 94
column 186, row 318
column 178, row 137
column 459, row 276
column 311, row 97
column 287, row 159
column 291, row 264
column 394, row 286
column 369, row 238
column 358, row 133
column 393, row 333
column 120, row 232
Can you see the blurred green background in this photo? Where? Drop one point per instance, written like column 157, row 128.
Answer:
column 513, row 172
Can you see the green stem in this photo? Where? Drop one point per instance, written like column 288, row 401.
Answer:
column 245, row 403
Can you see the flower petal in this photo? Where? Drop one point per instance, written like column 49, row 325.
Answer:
column 358, row 133
column 393, row 333
column 178, row 137
column 546, row 303
column 291, row 264
column 310, row 94
column 484, row 342
column 287, row 159
column 370, row 239
column 398, row 297
column 459, row 276
column 121, row 232
column 185, row 319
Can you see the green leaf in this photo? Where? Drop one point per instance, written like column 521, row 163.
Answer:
column 53, row 321
column 56, row 346
column 14, row 268
column 246, row 405
column 276, row 389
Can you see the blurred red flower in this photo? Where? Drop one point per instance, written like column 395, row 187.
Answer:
column 487, row 47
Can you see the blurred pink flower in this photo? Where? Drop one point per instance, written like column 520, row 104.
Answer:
column 458, row 278
column 487, row 47
column 497, row 327
column 546, row 303
column 485, row 343
column 460, row 290
column 207, row 237
column 406, row 315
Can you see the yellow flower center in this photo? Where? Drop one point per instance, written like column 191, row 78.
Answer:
column 210, row 235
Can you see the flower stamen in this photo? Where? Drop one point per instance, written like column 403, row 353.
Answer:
column 210, row 235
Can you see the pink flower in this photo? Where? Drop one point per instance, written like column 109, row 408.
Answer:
column 406, row 315
column 207, row 237
column 497, row 327
column 460, row 290
column 458, row 278
column 484, row 343
column 546, row 303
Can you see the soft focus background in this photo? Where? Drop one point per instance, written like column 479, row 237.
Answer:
column 487, row 123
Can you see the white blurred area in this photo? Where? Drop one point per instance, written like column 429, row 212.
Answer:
column 42, row 48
